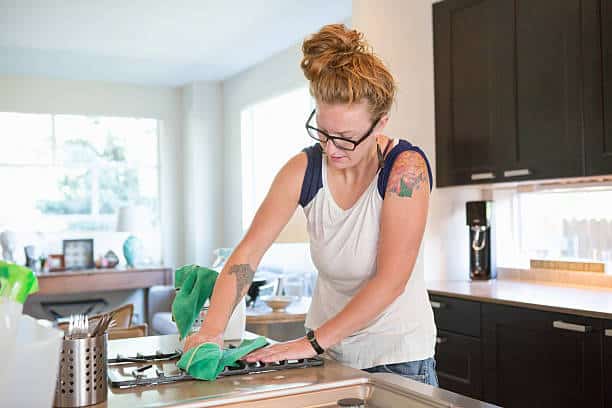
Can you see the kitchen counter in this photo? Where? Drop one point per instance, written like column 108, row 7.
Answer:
column 582, row 301
column 299, row 387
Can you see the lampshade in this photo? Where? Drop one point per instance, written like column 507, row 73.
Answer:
column 133, row 219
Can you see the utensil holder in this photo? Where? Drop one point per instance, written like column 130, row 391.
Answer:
column 82, row 376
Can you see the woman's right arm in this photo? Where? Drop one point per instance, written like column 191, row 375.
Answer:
column 236, row 276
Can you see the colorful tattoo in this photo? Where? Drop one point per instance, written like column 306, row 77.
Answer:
column 409, row 173
column 244, row 275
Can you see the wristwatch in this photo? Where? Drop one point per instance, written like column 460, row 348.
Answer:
column 314, row 343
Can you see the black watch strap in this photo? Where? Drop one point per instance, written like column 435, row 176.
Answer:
column 314, row 343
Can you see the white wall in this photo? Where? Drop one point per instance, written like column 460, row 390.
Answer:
column 272, row 77
column 401, row 34
column 19, row 94
column 203, row 170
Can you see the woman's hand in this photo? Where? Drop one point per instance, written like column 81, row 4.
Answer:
column 290, row 350
column 198, row 338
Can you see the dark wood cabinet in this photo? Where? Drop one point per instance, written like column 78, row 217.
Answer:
column 459, row 363
column 458, row 348
column 474, row 88
column 597, row 66
column 456, row 315
column 547, row 52
column 519, row 89
column 607, row 364
column 541, row 359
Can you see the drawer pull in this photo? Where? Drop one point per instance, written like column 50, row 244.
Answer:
column 441, row 340
column 558, row 324
column 608, row 332
column 483, row 176
column 437, row 305
column 517, row 173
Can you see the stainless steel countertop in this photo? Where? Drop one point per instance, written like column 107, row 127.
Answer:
column 269, row 387
column 582, row 301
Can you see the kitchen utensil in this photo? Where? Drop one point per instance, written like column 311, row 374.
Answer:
column 83, row 370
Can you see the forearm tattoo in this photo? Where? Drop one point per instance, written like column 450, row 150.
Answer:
column 244, row 275
column 408, row 175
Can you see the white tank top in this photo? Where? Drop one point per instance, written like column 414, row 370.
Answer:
column 343, row 246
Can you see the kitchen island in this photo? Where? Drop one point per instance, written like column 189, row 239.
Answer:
column 300, row 387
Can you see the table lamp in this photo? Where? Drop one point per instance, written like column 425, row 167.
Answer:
column 132, row 219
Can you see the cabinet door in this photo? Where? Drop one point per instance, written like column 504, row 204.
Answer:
column 541, row 359
column 597, row 19
column 608, row 364
column 548, row 73
column 459, row 364
column 474, row 88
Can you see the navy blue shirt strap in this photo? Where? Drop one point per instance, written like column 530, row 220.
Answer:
column 402, row 146
column 313, row 180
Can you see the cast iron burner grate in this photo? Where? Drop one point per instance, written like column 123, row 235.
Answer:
column 165, row 371
column 150, row 358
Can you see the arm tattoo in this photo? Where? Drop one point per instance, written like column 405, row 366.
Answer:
column 408, row 174
column 244, row 275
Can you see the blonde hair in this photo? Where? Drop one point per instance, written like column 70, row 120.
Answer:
column 342, row 68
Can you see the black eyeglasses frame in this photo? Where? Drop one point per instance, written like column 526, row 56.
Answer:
column 329, row 137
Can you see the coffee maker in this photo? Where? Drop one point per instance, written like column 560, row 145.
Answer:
column 482, row 246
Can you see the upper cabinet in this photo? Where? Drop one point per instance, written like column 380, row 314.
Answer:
column 598, row 88
column 510, row 84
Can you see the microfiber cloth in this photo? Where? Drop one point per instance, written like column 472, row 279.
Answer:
column 196, row 285
column 206, row 361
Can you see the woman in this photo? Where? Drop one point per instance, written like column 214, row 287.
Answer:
column 366, row 198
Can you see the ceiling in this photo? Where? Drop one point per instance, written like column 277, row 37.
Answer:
column 153, row 42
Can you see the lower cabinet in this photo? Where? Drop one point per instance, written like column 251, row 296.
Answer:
column 459, row 364
column 607, row 365
column 541, row 359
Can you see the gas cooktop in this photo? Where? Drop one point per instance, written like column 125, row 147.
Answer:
column 164, row 371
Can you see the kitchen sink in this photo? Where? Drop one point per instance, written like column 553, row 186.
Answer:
column 374, row 391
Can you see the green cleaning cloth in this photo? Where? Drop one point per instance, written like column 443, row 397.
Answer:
column 196, row 285
column 16, row 282
column 207, row 361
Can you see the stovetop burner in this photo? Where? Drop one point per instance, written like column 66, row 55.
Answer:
column 150, row 358
column 164, row 370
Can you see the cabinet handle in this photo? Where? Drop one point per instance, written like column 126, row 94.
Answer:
column 517, row 173
column 608, row 332
column 440, row 340
column 437, row 305
column 558, row 324
column 483, row 176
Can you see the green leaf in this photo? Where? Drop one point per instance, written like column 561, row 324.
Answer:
column 405, row 191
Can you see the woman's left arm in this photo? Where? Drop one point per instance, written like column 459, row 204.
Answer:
column 403, row 219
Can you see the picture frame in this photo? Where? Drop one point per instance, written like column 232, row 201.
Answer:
column 78, row 253
column 55, row 262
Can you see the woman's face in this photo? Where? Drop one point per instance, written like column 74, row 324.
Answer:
column 350, row 122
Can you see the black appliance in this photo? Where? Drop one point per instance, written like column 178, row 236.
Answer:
column 479, row 217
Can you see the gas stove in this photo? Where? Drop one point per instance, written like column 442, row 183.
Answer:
column 164, row 372
column 152, row 360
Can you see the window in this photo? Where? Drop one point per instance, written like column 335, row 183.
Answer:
column 272, row 132
column 553, row 223
column 64, row 174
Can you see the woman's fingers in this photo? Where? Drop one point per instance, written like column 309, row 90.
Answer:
column 263, row 354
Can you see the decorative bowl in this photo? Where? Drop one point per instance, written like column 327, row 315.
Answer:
column 278, row 303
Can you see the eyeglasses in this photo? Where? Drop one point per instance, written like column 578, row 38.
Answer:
column 339, row 142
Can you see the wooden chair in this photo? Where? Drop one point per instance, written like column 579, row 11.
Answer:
column 123, row 318
column 139, row 330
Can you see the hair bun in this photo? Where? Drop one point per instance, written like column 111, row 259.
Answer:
column 333, row 46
